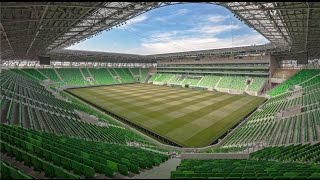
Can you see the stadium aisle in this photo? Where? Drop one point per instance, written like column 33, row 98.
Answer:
column 161, row 172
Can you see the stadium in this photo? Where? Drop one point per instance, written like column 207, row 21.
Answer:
column 234, row 112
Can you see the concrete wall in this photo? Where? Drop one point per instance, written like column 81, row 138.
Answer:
column 277, row 80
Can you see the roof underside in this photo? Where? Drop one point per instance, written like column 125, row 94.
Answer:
column 29, row 29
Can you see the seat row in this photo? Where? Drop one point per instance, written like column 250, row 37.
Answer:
column 244, row 169
column 74, row 157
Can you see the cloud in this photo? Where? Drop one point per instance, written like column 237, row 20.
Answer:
column 134, row 20
column 163, row 36
column 217, row 18
column 216, row 29
column 166, row 18
column 195, row 43
column 193, row 32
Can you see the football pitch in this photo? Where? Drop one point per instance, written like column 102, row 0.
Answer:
column 190, row 118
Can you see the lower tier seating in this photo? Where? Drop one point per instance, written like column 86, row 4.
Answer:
column 191, row 80
column 50, row 73
column 72, row 76
column 298, row 78
column 233, row 82
column 306, row 153
column 144, row 73
column 125, row 75
column 209, row 81
column 246, row 169
column 102, row 76
column 27, row 104
column 35, row 73
column 212, row 81
column 65, row 157
column 291, row 118
column 161, row 77
column 9, row 172
column 257, row 83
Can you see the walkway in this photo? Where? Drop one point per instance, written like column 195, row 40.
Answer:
column 160, row 172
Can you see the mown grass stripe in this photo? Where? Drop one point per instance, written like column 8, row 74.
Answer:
column 193, row 118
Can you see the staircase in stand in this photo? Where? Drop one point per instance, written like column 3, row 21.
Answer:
column 163, row 171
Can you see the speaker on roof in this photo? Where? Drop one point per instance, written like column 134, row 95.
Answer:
column 44, row 60
column 302, row 58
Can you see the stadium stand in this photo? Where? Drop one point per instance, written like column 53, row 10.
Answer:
column 305, row 153
column 144, row 74
column 298, row 78
column 191, row 80
column 27, row 104
column 233, row 82
column 213, row 81
column 57, row 155
column 134, row 71
column 50, row 73
column 9, row 172
column 178, row 109
column 102, row 76
column 125, row 75
column 85, row 72
column 226, row 150
column 161, row 77
column 177, row 79
column 23, row 73
column 209, row 81
column 72, row 76
column 257, row 83
column 291, row 117
column 246, row 169
column 35, row 73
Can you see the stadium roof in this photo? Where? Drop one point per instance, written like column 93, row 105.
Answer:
column 93, row 56
column 29, row 29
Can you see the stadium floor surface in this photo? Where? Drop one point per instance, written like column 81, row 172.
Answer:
column 190, row 118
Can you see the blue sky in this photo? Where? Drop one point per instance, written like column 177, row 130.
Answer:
column 176, row 28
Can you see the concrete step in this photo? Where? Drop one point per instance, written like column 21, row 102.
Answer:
column 162, row 171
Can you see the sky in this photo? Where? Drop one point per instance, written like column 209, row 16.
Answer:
column 175, row 28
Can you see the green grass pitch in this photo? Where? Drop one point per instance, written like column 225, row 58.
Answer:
column 191, row 118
